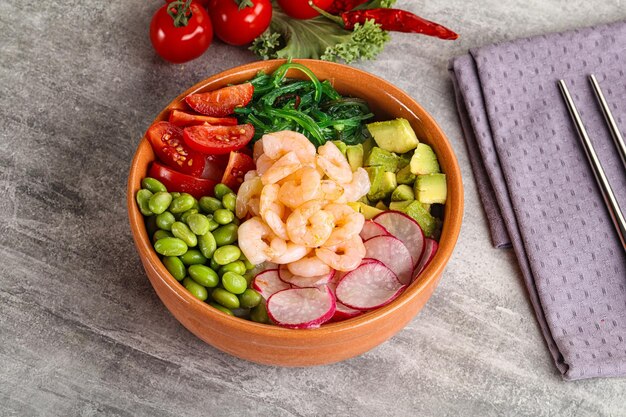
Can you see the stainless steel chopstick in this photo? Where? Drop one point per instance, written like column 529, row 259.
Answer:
column 610, row 120
column 607, row 192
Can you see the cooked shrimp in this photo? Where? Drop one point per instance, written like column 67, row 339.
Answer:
column 248, row 190
column 334, row 164
column 348, row 223
column 309, row 266
column 309, row 225
column 300, row 187
column 257, row 242
column 257, row 149
column 272, row 210
column 357, row 188
column 254, row 206
column 277, row 144
column 250, row 174
column 286, row 165
column 331, row 190
column 346, row 256
column 263, row 163
column 292, row 253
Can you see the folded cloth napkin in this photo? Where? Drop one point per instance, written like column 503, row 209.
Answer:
column 538, row 190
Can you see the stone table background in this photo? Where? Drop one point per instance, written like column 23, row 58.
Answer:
column 83, row 333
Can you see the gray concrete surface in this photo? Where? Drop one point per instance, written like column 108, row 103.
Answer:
column 83, row 333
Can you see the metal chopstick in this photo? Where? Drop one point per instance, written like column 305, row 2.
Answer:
column 617, row 136
column 607, row 192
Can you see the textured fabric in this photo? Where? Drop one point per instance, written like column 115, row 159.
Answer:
column 535, row 181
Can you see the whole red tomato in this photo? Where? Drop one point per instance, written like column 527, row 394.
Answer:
column 238, row 22
column 300, row 9
column 185, row 42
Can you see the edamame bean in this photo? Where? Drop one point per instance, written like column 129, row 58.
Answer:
column 234, row 283
column 175, row 266
column 213, row 225
column 165, row 220
column 259, row 314
column 193, row 257
column 159, row 202
column 143, row 201
column 185, row 216
column 210, row 204
column 250, row 298
column 175, row 195
column 181, row 231
column 207, row 245
column 222, row 309
column 204, row 275
column 230, row 201
column 182, row 204
column 198, row 223
column 221, row 190
column 195, row 289
column 214, row 265
column 153, row 185
column 225, row 298
column 170, row 246
column 226, row 235
column 160, row 234
column 226, row 254
column 238, row 267
column 223, row 216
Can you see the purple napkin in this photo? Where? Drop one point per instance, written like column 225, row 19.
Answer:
column 538, row 190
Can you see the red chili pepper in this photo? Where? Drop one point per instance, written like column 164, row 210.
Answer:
column 340, row 6
column 397, row 21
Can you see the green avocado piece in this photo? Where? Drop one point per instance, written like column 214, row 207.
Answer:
column 424, row 160
column 422, row 216
column 368, row 212
column 381, row 206
column 341, row 145
column 405, row 176
column 382, row 183
column 402, row 193
column 383, row 158
column 368, row 144
column 405, row 160
column 431, row 188
column 394, row 135
column 354, row 153
column 399, row 205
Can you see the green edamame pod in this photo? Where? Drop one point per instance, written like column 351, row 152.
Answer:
column 250, row 298
column 159, row 202
column 234, row 283
column 221, row 190
column 226, row 254
column 238, row 267
column 143, row 201
column 259, row 314
column 160, row 234
column 193, row 257
column 153, row 185
column 170, row 246
column 210, row 204
column 225, row 298
column 185, row 216
column 182, row 204
column 165, row 220
column 204, row 275
column 226, row 235
column 223, row 216
column 198, row 223
column 182, row 231
column 230, row 201
column 195, row 289
column 222, row 309
column 207, row 244
column 175, row 266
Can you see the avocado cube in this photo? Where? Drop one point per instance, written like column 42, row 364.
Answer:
column 394, row 135
column 399, row 205
column 381, row 206
column 369, row 212
column 405, row 176
column 424, row 160
column 382, row 183
column 368, row 144
column 383, row 158
column 402, row 193
column 422, row 216
column 431, row 188
column 405, row 160
column 354, row 153
column 341, row 145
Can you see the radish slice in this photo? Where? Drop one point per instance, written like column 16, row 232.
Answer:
column 369, row 286
column 301, row 308
column 430, row 248
column 372, row 229
column 406, row 229
column 299, row 281
column 393, row 253
column 262, row 267
column 267, row 283
column 343, row 312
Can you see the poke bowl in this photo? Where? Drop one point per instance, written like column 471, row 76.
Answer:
column 328, row 341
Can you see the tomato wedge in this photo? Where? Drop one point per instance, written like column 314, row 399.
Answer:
column 182, row 119
column 170, row 148
column 222, row 102
column 177, row 181
column 238, row 164
column 217, row 140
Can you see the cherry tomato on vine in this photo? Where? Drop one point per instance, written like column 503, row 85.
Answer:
column 181, row 31
column 203, row 3
column 238, row 22
column 300, row 9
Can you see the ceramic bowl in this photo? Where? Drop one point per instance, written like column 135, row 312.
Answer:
column 272, row 345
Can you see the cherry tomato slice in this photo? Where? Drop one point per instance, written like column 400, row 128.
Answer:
column 177, row 181
column 222, row 102
column 170, row 148
column 217, row 140
column 238, row 164
column 182, row 119
column 300, row 9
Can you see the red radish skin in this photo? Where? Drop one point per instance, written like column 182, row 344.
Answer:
column 406, row 229
column 393, row 253
column 372, row 229
column 301, row 308
column 304, row 282
column 430, row 248
column 267, row 283
column 343, row 312
column 371, row 285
